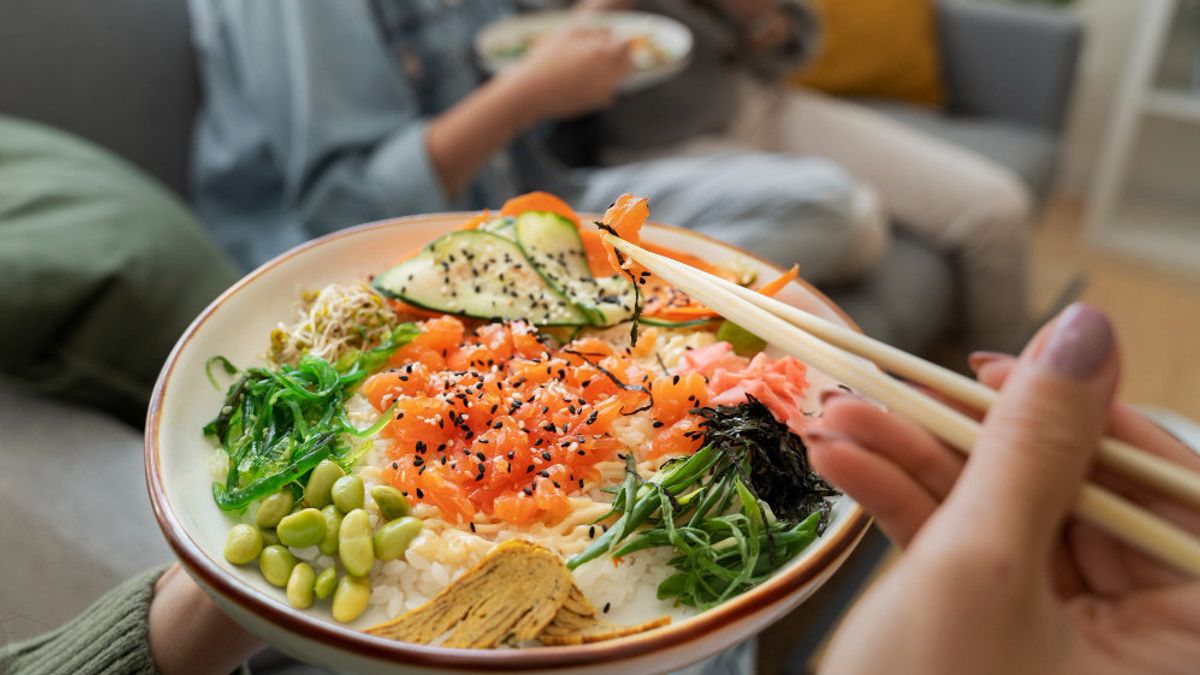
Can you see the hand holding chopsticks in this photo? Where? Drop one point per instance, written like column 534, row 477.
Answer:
column 796, row 332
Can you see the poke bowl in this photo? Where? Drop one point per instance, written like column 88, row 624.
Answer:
column 543, row 460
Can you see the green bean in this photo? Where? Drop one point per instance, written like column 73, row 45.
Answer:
column 391, row 502
column 354, row 543
column 333, row 523
column 320, row 483
column 272, row 509
column 350, row 598
column 392, row 540
column 276, row 563
column 243, row 544
column 300, row 586
column 302, row 529
column 347, row 493
column 325, row 583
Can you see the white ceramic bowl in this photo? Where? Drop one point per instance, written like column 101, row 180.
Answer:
column 494, row 44
column 237, row 325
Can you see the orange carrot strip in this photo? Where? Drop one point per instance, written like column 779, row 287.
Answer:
column 474, row 223
column 405, row 309
column 539, row 201
column 775, row 285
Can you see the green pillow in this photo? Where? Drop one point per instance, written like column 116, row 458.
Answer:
column 101, row 271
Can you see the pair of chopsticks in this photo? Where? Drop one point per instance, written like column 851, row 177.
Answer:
column 852, row 358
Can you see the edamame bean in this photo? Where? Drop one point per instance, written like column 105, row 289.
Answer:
column 269, row 537
column 273, row 509
column 391, row 502
column 350, row 598
column 243, row 544
column 302, row 529
column 333, row 523
column 347, row 493
column 320, row 483
column 325, row 583
column 393, row 539
column 355, row 547
column 300, row 586
column 276, row 563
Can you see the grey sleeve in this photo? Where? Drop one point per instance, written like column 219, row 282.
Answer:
column 112, row 636
column 340, row 118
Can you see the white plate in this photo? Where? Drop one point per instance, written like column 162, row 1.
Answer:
column 500, row 44
column 237, row 325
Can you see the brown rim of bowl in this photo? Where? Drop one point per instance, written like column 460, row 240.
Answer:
column 200, row 565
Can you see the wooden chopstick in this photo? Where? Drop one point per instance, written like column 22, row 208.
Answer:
column 1149, row 470
column 1099, row 506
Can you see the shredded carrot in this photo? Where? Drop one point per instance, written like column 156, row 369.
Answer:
column 697, row 311
column 539, row 201
column 404, row 309
column 474, row 223
column 775, row 285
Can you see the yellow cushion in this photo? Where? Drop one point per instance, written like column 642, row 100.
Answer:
column 878, row 48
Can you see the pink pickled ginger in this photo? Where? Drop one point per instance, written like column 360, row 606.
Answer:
column 780, row 384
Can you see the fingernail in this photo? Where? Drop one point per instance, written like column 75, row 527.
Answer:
column 977, row 360
column 818, row 435
column 1080, row 343
column 829, row 393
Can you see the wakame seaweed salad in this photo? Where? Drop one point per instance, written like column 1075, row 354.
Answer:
column 276, row 424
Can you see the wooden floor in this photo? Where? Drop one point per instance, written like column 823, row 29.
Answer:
column 1156, row 309
column 1156, row 312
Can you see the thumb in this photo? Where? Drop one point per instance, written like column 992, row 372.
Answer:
column 1039, row 437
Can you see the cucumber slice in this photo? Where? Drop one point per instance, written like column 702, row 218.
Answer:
column 552, row 244
column 502, row 226
column 664, row 323
column 482, row 275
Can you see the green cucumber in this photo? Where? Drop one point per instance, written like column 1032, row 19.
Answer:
column 744, row 342
column 502, row 226
column 552, row 244
column 665, row 323
column 479, row 274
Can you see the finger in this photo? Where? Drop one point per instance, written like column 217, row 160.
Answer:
column 977, row 360
column 1040, row 435
column 994, row 374
column 1136, row 429
column 896, row 439
column 897, row 502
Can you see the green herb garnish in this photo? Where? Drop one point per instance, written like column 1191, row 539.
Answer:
column 734, row 512
column 277, row 424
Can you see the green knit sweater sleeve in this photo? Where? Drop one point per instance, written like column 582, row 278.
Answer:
column 111, row 636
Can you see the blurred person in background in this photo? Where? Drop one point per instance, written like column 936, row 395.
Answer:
column 321, row 115
column 731, row 99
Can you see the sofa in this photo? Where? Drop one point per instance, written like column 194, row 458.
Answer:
column 121, row 74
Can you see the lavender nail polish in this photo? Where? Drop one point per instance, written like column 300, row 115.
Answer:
column 1080, row 343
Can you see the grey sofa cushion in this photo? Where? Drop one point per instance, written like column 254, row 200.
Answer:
column 77, row 519
column 907, row 300
column 120, row 73
column 1027, row 151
